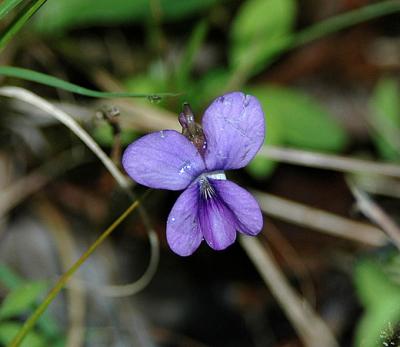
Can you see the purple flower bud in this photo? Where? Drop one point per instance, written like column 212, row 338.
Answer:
column 191, row 130
column 211, row 207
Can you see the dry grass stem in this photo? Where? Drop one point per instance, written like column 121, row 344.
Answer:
column 123, row 182
column 329, row 161
column 12, row 195
column 311, row 328
column 320, row 220
column 376, row 214
column 76, row 297
column 380, row 185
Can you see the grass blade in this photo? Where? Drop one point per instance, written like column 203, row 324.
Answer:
column 63, row 280
column 197, row 37
column 38, row 77
column 7, row 6
column 19, row 21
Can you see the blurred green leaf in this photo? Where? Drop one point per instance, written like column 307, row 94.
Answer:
column 304, row 122
column 23, row 15
column 385, row 118
column 203, row 91
column 194, row 44
column 370, row 280
column 293, row 118
column 257, row 55
column 261, row 167
column 21, row 299
column 11, row 281
column 8, row 330
column 104, row 135
column 8, row 278
column 55, row 82
column 62, row 15
column 7, row 5
column 260, row 31
column 381, row 298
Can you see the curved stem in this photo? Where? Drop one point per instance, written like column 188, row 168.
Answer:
column 28, row 325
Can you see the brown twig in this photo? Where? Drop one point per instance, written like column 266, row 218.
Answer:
column 376, row 214
column 328, row 161
column 293, row 260
column 320, row 220
column 12, row 195
column 311, row 328
column 380, row 185
column 66, row 247
column 120, row 178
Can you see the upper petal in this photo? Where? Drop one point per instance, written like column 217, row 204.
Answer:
column 164, row 159
column 234, row 127
column 242, row 204
column 183, row 230
column 217, row 222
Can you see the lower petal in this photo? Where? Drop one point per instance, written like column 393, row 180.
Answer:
column 218, row 223
column 242, row 204
column 183, row 230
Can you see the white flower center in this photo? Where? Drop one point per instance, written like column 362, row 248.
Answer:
column 206, row 189
column 216, row 175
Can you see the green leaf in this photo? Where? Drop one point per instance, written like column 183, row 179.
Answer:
column 207, row 88
column 377, row 323
column 381, row 298
column 104, row 135
column 370, row 279
column 258, row 55
column 19, row 21
column 55, row 82
column 261, row 167
column 61, row 15
column 385, row 117
column 21, row 299
column 7, row 5
column 8, row 330
column 197, row 37
column 260, row 31
column 303, row 121
column 9, row 278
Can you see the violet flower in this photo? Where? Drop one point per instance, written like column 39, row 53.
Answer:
column 211, row 207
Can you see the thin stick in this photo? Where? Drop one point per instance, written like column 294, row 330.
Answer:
column 66, row 247
column 328, row 161
column 152, row 118
column 376, row 214
column 320, row 220
column 28, row 325
column 377, row 185
column 311, row 328
column 123, row 290
column 34, row 181
column 67, row 120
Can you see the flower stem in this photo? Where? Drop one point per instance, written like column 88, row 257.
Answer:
column 30, row 323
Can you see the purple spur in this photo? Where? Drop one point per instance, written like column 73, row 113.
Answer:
column 211, row 207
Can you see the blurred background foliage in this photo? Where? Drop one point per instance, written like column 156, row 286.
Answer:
column 338, row 95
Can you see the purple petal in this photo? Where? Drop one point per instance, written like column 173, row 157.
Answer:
column 164, row 159
column 218, row 223
column 242, row 204
column 183, row 230
column 234, row 128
